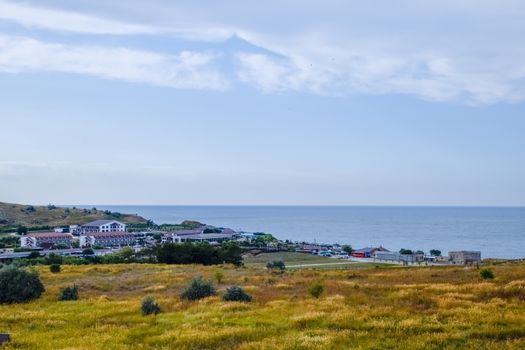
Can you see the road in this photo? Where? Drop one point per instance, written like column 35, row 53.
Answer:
column 322, row 264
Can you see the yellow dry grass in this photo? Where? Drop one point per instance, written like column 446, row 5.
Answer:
column 396, row 308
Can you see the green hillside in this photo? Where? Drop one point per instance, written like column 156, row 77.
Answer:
column 33, row 216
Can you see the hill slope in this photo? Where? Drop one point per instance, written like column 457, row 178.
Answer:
column 13, row 215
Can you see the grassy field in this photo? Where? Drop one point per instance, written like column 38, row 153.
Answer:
column 12, row 215
column 363, row 308
column 295, row 260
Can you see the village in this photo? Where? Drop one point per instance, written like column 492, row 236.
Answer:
column 103, row 237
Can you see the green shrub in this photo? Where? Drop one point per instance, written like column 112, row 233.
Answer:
column 149, row 306
column 68, row 293
column 276, row 265
column 88, row 251
column 219, row 276
column 198, row 289
column 236, row 293
column 18, row 285
column 486, row 274
column 54, row 259
column 55, row 268
column 316, row 290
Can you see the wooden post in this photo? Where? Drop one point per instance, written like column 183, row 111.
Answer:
column 4, row 338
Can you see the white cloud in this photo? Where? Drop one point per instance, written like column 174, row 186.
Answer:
column 68, row 21
column 440, row 50
column 191, row 70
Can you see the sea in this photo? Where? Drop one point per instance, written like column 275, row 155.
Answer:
column 498, row 232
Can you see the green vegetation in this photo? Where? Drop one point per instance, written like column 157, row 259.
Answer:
column 68, row 293
column 55, row 268
column 486, row 274
column 276, row 265
column 347, row 249
column 236, row 293
column 316, row 290
column 18, row 285
column 23, row 218
column 435, row 252
column 149, row 306
column 195, row 253
column 219, row 276
column 198, row 289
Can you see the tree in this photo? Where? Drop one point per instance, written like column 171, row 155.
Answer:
column 236, row 293
column 33, row 255
column 435, row 252
column 404, row 251
column 231, row 253
column 54, row 259
column 316, row 290
column 18, row 285
column 198, row 289
column 21, row 230
column 127, row 253
column 149, row 306
column 347, row 248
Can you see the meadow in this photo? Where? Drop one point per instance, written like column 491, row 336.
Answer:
column 362, row 307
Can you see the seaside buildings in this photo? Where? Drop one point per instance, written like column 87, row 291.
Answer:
column 107, row 239
column 45, row 240
column 368, row 252
column 101, row 226
column 464, row 257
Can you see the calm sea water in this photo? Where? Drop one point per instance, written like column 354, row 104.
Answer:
column 496, row 232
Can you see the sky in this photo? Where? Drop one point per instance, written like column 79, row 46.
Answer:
column 263, row 103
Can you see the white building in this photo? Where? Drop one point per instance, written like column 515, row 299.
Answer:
column 107, row 239
column 45, row 240
column 102, row 226
column 464, row 257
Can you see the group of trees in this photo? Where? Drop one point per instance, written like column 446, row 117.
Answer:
column 195, row 253
column 433, row 252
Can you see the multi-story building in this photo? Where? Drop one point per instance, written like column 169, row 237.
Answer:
column 464, row 257
column 102, row 226
column 45, row 240
column 107, row 239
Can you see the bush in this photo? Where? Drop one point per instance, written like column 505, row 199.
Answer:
column 198, row 289
column 486, row 274
column 54, row 259
column 149, row 306
column 277, row 264
column 316, row 290
column 68, row 293
column 55, row 268
column 236, row 293
column 219, row 276
column 88, row 251
column 18, row 285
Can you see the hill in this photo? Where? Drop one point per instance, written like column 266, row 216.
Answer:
column 33, row 216
column 361, row 308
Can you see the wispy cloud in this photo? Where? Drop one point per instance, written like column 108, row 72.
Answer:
column 69, row 21
column 191, row 70
column 330, row 49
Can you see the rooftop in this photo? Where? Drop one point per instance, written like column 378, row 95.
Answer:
column 49, row 235
column 101, row 222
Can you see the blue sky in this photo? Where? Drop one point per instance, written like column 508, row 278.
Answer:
column 332, row 103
